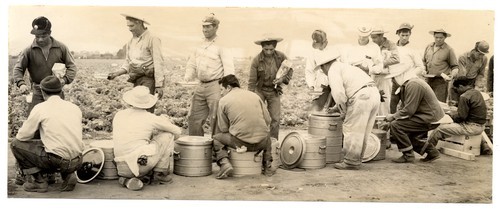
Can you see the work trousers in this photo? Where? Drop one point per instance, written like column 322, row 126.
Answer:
column 454, row 129
column 224, row 140
column 204, row 103
column 273, row 100
column 440, row 87
column 411, row 135
column 384, row 84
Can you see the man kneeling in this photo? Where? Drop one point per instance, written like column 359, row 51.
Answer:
column 243, row 121
column 141, row 157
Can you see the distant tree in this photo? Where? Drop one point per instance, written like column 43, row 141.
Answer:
column 121, row 53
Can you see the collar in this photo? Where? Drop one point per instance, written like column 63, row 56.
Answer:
column 441, row 47
column 146, row 32
column 55, row 44
column 275, row 55
column 213, row 40
column 397, row 43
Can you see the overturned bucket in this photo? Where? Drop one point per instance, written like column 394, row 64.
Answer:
column 303, row 151
column 245, row 163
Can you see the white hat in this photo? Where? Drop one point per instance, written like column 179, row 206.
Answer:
column 137, row 18
column 364, row 31
column 326, row 56
column 140, row 97
column 378, row 30
column 268, row 37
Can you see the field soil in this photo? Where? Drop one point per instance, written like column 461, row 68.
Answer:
column 446, row 180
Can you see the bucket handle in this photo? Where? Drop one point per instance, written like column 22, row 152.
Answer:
column 322, row 149
column 177, row 155
column 334, row 125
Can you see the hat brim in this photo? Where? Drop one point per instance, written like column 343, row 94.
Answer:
column 128, row 98
column 326, row 61
column 258, row 42
column 134, row 17
column 394, row 74
column 432, row 33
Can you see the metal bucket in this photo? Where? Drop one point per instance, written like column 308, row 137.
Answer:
column 382, row 135
column 109, row 171
column 193, row 156
column 245, row 163
column 330, row 126
column 315, row 152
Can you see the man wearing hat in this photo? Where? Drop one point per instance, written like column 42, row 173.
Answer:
column 143, row 60
column 39, row 58
column 409, row 60
column 366, row 55
column 419, row 112
column 357, row 98
column 60, row 147
column 316, row 80
column 209, row 62
column 243, row 121
column 263, row 78
column 439, row 59
column 472, row 65
column 390, row 56
column 141, row 153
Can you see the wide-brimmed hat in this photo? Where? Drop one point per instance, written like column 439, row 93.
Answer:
column 482, row 47
column 439, row 31
column 40, row 25
column 210, row 20
column 378, row 30
column 136, row 18
column 268, row 37
column 404, row 26
column 51, row 84
column 364, row 31
column 140, row 97
column 325, row 56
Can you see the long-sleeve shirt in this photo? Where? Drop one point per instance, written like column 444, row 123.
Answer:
column 244, row 115
column 419, row 103
column 345, row 80
column 443, row 60
column 60, row 125
column 210, row 61
column 262, row 73
column 409, row 60
column 471, row 108
column 39, row 66
column 145, row 51
column 314, row 76
column 367, row 55
column 389, row 52
column 472, row 69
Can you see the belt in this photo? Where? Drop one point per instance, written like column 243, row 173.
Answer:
column 62, row 160
column 362, row 87
column 209, row 81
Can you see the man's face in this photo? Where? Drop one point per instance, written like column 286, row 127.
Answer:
column 209, row 31
column 476, row 55
column 404, row 37
column 377, row 38
column 224, row 91
column 268, row 50
column 439, row 39
column 42, row 40
column 134, row 28
column 363, row 39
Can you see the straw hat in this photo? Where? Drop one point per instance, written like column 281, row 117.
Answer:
column 326, row 56
column 140, row 97
column 378, row 30
column 439, row 31
column 137, row 18
column 268, row 37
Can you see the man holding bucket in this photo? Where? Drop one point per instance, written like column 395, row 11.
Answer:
column 358, row 98
column 243, row 120
column 139, row 152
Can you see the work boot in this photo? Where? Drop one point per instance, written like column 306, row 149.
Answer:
column 226, row 169
column 406, row 158
column 69, row 182
column 133, row 184
column 267, row 168
column 345, row 166
column 161, row 177
column 20, row 179
column 51, row 178
column 432, row 154
column 36, row 183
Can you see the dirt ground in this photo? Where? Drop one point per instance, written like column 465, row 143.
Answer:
column 446, row 180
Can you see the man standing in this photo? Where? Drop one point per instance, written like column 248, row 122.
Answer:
column 61, row 145
column 470, row 117
column 419, row 112
column 263, row 79
column 439, row 59
column 137, row 152
column 409, row 60
column 210, row 62
column 391, row 57
column 358, row 99
column 243, row 121
column 143, row 60
column 39, row 58
column 316, row 80
column 366, row 55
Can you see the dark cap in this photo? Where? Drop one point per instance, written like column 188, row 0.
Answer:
column 464, row 81
column 51, row 84
column 404, row 26
column 211, row 20
column 40, row 25
column 482, row 47
column 319, row 38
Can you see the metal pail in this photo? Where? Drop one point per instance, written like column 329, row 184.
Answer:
column 193, row 156
column 109, row 170
column 330, row 126
column 245, row 163
column 382, row 136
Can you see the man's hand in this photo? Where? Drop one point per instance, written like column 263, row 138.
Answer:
column 159, row 92
column 24, row 89
column 389, row 117
column 112, row 75
column 278, row 81
column 63, row 82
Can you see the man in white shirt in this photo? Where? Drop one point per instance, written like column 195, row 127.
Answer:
column 316, row 80
column 60, row 146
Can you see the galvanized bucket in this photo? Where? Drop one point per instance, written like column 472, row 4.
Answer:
column 245, row 163
column 304, row 151
column 382, row 136
column 330, row 126
column 193, row 156
column 109, row 170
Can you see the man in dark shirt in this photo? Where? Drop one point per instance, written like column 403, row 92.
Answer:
column 470, row 116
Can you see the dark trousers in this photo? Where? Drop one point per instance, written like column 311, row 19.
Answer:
column 273, row 101
column 394, row 97
column 224, row 140
column 440, row 88
column 411, row 135
column 147, row 82
column 32, row 158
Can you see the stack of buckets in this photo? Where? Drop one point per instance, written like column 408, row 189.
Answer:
column 109, row 170
column 329, row 126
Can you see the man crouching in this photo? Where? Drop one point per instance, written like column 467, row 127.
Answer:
column 139, row 154
column 243, row 121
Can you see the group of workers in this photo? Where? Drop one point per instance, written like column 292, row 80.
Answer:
column 375, row 78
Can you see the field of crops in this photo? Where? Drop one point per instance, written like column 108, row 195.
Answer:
column 99, row 99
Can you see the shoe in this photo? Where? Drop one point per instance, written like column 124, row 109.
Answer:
column 35, row 184
column 432, row 155
column 226, row 170
column 404, row 159
column 69, row 182
column 133, row 184
column 51, row 178
column 162, row 178
column 268, row 170
column 345, row 166
column 20, row 179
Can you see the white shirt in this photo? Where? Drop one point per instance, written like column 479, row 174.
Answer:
column 368, row 55
column 408, row 60
column 314, row 77
column 60, row 124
